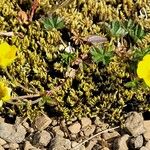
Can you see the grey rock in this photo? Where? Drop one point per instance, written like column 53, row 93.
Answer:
column 121, row 143
column 41, row 138
column 42, row 122
column 88, row 130
column 13, row 146
column 136, row 142
column 85, row 121
column 60, row 143
column 144, row 148
column 12, row 133
column 75, row 128
column 134, row 124
column 147, row 145
column 147, row 130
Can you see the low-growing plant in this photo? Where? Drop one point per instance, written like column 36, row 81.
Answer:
column 101, row 55
column 53, row 22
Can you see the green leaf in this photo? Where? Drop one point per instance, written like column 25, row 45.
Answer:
column 53, row 22
column 100, row 55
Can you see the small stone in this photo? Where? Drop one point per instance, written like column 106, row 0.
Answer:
column 6, row 146
column 110, row 136
column 2, row 142
column 58, row 131
column 75, row 128
column 88, row 130
column 42, row 122
column 54, row 123
column 73, row 144
column 121, row 143
column 147, row 145
column 91, row 144
column 59, row 143
column 147, row 128
column 26, row 125
column 134, row 124
column 29, row 146
column 105, row 148
column 136, row 142
column 1, row 148
column 41, row 138
column 85, row 122
column 12, row 133
column 13, row 146
column 144, row 148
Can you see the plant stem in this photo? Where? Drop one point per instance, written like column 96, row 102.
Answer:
column 17, row 83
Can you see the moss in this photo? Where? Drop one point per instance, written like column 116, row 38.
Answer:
column 96, row 89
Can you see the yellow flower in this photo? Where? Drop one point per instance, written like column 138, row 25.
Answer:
column 7, row 54
column 5, row 93
column 143, row 69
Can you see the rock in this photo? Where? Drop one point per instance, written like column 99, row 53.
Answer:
column 41, row 138
column 12, row 133
column 147, row 128
column 29, row 146
column 54, row 122
column 144, row 148
column 2, row 142
column 88, row 130
column 121, row 143
column 42, row 122
column 110, row 136
column 13, row 146
column 1, row 148
column 60, row 143
column 85, row 122
column 134, row 124
column 73, row 144
column 75, row 128
column 58, row 131
column 147, row 145
column 136, row 142
column 91, row 144
column 105, row 148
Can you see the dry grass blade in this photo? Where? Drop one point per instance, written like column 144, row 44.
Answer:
column 80, row 144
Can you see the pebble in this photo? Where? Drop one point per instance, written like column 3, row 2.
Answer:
column 88, row 130
column 42, row 122
column 134, row 124
column 1, row 148
column 147, row 128
column 147, row 145
column 136, row 142
column 75, row 128
column 13, row 146
column 91, row 144
column 59, row 143
column 110, row 135
column 73, row 144
column 144, row 148
column 121, row 143
column 12, row 133
column 41, row 138
column 85, row 122
column 58, row 131
column 29, row 146
column 2, row 142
